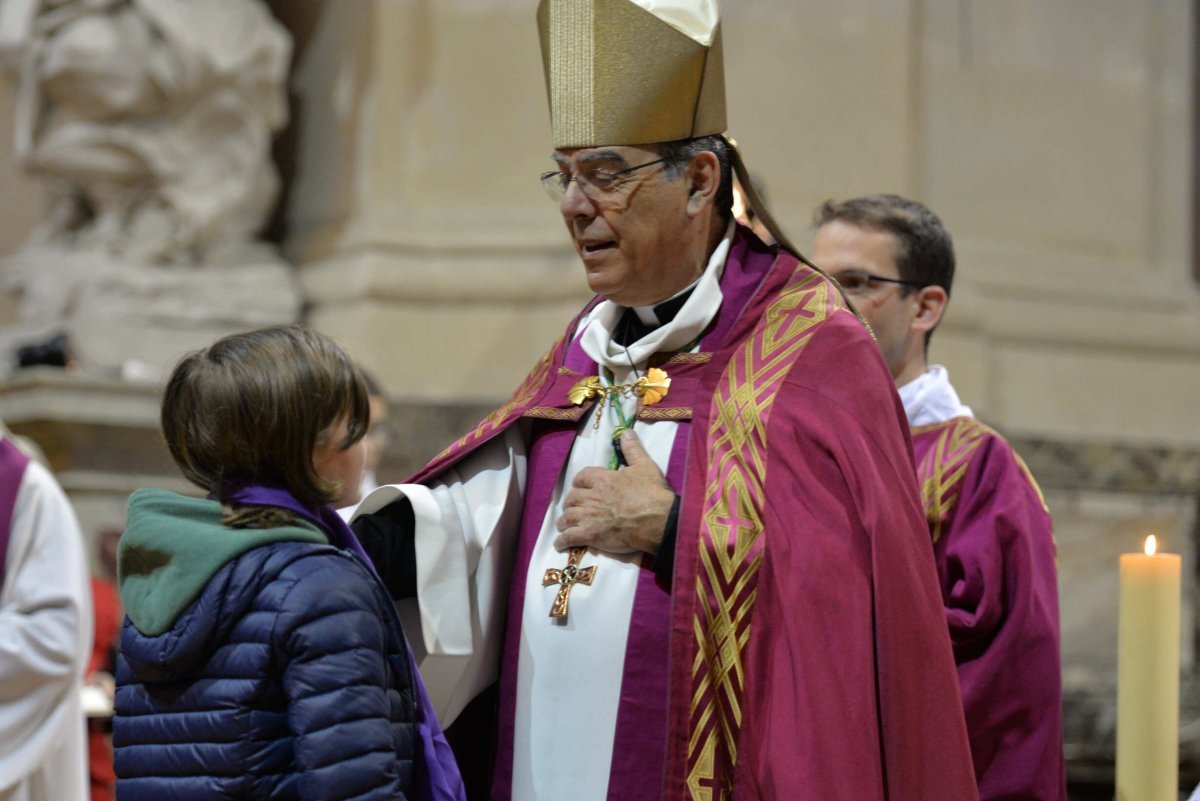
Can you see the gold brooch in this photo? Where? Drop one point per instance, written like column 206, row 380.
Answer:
column 649, row 389
column 653, row 386
column 585, row 390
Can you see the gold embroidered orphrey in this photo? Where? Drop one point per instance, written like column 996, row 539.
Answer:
column 568, row 577
column 733, row 532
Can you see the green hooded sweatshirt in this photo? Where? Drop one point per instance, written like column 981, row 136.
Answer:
column 173, row 545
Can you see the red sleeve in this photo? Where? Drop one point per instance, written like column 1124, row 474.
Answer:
column 106, row 605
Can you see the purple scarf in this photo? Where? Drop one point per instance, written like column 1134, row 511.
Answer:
column 436, row 776
column 323, row 517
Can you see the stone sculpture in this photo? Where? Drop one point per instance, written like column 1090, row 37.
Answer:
column 150, row 122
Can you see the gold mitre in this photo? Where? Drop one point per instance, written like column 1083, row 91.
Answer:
column 639, row 72
column 632, row 72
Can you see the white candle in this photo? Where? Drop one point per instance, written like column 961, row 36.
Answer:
column 1148, row 676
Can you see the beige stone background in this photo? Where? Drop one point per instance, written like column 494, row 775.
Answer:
column 1054, row 139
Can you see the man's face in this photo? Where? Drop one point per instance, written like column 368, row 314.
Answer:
column 841, row 249
column 628, row 237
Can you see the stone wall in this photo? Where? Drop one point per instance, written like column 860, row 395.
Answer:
column 18, row 219
column 1054, row 139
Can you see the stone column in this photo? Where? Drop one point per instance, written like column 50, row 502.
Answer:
column 426, row 243
column 18, row 218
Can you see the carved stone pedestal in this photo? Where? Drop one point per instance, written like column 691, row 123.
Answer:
column 126, row 318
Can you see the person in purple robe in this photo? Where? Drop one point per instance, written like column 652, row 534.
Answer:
column 686, row 559
column 992, row 535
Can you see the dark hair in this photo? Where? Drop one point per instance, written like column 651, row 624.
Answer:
column 252, row 407
column 926, row 251
column 678, row 155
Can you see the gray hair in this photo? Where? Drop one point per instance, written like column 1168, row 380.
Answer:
column 678, row 154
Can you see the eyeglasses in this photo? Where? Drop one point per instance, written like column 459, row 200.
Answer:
column 856, row 282
column 595, row 182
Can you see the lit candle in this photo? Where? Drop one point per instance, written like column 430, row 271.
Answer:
column 1148, row 677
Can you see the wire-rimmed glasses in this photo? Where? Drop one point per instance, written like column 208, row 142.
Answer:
column 595, row 182
column 860, row 282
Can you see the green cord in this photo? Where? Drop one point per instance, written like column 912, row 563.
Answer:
column 623, row 424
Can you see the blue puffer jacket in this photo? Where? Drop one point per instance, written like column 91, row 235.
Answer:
column 255, row 664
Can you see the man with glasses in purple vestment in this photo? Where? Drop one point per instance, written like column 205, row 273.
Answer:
column 688, row 552
column 992, row 535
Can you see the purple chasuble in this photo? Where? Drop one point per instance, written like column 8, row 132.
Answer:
column 639, row 750
column 12, row 470
column 848, row 566
column 993, row 542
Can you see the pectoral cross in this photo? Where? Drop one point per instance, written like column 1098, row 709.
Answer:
column 568, row 577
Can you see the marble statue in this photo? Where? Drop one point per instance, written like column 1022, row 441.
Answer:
column 150, row 123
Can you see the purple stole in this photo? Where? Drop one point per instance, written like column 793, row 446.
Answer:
column 639, row 751
column 12, row 469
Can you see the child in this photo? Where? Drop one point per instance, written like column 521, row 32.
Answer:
column 261, row 657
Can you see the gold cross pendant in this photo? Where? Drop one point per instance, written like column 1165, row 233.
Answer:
column 568, row 577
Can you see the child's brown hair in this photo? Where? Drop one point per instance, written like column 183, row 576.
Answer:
column 250, row 409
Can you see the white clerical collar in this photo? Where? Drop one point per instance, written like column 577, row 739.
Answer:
column 930, row 398
column 697, row 312
column 649, row 314
column 646, row 314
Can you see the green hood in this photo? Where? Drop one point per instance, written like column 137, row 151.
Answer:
column 173, row 545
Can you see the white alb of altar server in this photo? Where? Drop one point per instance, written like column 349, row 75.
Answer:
column 45, row 639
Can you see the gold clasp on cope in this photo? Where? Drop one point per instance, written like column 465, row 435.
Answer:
column 648, row 389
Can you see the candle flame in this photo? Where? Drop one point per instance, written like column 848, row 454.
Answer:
column 1151, row 545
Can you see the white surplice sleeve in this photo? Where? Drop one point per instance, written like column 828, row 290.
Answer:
column 467, row 524
column 45, row 640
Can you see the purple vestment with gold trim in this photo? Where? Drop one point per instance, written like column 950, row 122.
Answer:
column 993, row 543
column 801, row 650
